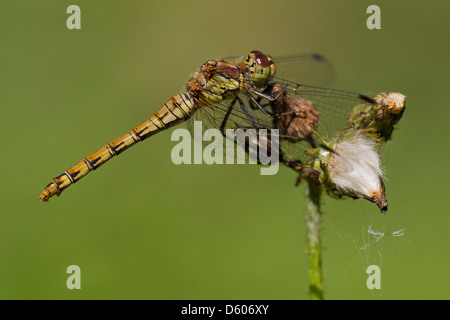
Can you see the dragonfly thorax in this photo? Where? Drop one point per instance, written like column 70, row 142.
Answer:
column 216, row 81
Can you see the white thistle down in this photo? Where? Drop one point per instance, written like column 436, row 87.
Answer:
column 355, row 168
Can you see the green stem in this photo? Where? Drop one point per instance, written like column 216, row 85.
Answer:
column 314, row 246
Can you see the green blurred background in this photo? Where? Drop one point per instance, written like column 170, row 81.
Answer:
column 144, row 228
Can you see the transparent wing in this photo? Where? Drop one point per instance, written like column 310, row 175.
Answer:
column 313, row 69
column 228, row 116
column 333, row 106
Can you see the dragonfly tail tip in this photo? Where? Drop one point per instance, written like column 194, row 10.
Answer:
column 43, row 197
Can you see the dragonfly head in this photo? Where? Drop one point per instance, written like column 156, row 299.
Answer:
column 259, row 69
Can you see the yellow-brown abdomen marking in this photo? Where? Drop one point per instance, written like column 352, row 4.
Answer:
column 177, row 109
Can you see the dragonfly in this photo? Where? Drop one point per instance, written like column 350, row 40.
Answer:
column 245, row 92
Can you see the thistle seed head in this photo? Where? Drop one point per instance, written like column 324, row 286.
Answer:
column 355, row 169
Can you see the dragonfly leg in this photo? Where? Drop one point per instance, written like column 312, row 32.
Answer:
column 244, row 108
column 296, row 165
column 257, row 104
column 267, row 96
column 227, row 115
column 260, row 95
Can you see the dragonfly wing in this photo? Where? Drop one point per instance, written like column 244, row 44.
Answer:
column 334, row 106
column 230, row 115
column 311, row 68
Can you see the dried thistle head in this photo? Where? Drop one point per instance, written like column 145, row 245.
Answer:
column 296, row 117
column 355, row 169
column 352, row 165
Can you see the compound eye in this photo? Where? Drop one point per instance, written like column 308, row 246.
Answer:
column 261, row 59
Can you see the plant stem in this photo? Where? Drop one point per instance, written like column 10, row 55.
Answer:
column 313, row 222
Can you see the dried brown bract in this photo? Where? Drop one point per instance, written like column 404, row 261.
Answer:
column 295, row 118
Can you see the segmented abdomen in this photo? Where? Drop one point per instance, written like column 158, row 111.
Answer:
column 177, row 109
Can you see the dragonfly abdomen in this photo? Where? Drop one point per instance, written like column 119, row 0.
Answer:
column 179, row 108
